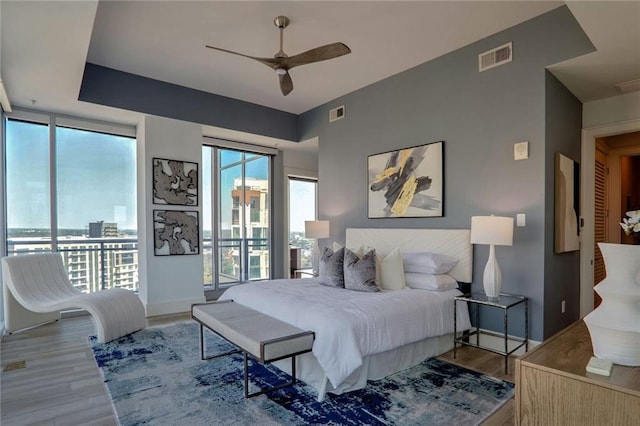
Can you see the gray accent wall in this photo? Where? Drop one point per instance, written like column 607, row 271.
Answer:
column 107, row 86
column 479, row 116
column 563, row 115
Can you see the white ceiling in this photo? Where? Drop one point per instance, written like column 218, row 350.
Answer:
column 44, row 45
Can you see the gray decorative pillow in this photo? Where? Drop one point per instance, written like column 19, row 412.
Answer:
column 331, row 267
column 360, row 272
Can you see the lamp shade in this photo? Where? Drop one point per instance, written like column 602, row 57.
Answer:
column 316, row 229
column 495, row 230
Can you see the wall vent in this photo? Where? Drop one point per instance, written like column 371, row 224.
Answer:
column 495, row 57
column 336, row 113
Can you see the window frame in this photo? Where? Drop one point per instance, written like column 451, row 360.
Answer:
column 214, row 289
column 53, row 121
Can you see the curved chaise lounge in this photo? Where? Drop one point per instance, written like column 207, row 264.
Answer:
column 39, row 282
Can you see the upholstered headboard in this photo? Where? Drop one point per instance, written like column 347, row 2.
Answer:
column 452, row 242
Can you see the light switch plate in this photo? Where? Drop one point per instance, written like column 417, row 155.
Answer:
column 521, row 150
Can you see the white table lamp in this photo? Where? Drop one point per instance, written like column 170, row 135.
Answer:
column 316, row 229
column 495, row 231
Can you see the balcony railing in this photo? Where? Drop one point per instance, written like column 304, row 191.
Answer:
column 93, row 264
column 233, row 264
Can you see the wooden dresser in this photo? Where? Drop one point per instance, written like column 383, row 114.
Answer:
column 554, row 388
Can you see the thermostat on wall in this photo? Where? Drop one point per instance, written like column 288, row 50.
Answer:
column 521, row 151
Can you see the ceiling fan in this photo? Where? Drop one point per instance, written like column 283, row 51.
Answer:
column 281, row 63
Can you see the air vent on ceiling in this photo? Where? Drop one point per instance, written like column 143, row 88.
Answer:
column 495, row 57
column 336, row 113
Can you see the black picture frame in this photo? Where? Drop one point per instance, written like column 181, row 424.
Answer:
column 176, row 232
column 175, row 182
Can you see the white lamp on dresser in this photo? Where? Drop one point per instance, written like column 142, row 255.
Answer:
column 494, row 231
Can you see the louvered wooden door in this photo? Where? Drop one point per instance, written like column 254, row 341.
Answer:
column 600, row 225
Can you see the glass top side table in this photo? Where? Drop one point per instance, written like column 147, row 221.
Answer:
column 504, row 302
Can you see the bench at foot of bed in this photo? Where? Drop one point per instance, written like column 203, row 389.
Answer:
column 263, row 337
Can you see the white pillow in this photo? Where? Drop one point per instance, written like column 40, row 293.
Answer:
column 428, row 263
column 391, row 271
column 437, row 282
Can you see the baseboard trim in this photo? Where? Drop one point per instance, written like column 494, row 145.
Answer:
column 172, row 307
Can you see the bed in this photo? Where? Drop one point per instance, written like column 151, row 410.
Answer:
column 367, row 336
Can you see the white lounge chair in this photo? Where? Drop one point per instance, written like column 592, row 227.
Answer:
column 39, row 282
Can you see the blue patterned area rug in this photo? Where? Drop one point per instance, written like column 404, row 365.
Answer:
column 155, row 376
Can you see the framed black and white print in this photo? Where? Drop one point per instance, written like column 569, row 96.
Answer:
column 175, row 182
column 175, row 232
column 407, row 182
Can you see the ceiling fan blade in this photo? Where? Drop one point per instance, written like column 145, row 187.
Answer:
column 286, row 84
column 270, row 62
column 318, row 54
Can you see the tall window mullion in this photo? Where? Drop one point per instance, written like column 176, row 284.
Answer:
column 52, row 187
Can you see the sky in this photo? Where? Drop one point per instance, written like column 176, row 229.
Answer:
column 96, row 179
column 302, row 204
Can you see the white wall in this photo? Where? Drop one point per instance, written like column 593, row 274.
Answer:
column 301, row 164
column 168, row 284
column 611, row 110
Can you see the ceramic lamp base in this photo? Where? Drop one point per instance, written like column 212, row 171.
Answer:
column 492, row 278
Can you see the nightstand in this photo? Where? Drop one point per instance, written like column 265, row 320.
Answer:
column 505, row 302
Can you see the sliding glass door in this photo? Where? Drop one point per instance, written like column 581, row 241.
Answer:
column 236, row 207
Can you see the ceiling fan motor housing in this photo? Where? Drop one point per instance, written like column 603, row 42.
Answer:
column 281, row 22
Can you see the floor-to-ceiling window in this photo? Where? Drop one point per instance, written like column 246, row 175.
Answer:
column 236, row 216
column 71, row 188
column 302, row 207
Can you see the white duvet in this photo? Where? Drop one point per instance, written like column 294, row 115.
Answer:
column 349, row 325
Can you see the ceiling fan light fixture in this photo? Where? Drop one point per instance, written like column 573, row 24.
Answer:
column 281, row 71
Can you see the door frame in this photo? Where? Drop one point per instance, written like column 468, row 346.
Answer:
column 587, row 200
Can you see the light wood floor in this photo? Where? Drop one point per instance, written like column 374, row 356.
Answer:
column 61, row 384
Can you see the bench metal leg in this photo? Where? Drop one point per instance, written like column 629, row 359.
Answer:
column 246, row 368
column 264, row 391
column 202, row 357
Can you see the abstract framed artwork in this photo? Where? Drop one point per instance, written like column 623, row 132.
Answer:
column 175, row 182
column 567, row 204
column 408, row 182
column 175, row 232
